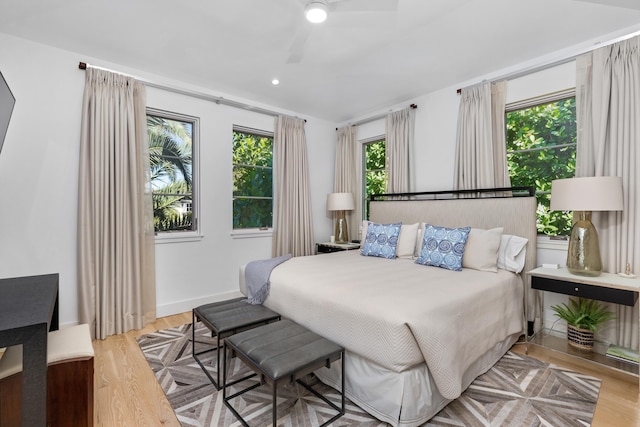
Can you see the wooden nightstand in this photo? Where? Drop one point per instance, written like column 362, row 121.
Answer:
column 606, row 287
column 324, row 248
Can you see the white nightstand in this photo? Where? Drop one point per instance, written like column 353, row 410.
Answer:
column 606, row 287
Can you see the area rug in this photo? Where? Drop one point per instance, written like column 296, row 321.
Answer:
column 516, row 391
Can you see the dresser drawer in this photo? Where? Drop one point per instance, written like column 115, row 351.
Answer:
column 617, row 296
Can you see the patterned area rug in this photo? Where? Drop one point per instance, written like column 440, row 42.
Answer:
column 517, row 391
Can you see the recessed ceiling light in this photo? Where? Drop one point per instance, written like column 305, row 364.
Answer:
column 316, row 11
column 275, row 82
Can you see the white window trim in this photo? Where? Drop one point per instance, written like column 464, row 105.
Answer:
column 195, row 235
column 178, row 237
column 544, row 241
column 363, row 152
column 556, row 243
column 249, row 233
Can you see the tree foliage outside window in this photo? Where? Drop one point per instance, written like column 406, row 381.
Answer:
column 375, row 172
column 252, row 180
column 170, row 139
column 541, row 147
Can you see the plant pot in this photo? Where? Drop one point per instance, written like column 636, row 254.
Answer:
column 580, row 339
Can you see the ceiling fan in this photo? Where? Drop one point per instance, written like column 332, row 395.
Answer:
column 316, row 11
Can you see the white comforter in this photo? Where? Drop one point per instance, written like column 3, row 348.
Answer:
column 397, row 313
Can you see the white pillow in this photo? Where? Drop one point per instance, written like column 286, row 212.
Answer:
column 363, row 231
column 418, row 250
column 407, row 240
column 481, row 249
column 512, row 252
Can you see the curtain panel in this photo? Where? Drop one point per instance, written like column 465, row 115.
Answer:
column 292, row 215
column 347, row 173
column 399, row 149
column 116, row 258
column 481, row 150
column 481, row 147
column 608, row 119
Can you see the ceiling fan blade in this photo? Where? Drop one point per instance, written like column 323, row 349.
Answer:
column 296, row 50
column 364, row 5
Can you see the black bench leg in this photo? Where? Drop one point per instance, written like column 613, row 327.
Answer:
column 275, row 404
column 218, row 383
column 343, row 381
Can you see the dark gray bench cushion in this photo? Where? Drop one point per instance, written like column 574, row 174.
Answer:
column 232, row 315
column 284, row 348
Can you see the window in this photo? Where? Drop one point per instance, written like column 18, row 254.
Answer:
column 252, row 178
column 374, row 170
column 172, row 138
column 541, row 147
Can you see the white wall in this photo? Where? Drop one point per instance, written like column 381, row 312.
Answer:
column 39, row 176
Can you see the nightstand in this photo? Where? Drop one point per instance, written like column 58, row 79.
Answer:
column 606, row 287
column 324, row 248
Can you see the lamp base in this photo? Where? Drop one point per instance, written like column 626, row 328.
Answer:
column 341, row 232
column 583, row 257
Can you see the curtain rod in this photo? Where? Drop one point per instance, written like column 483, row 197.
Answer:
column 376, row 117
column 542, row 67
column 195, row 94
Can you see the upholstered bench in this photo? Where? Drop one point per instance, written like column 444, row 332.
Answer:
column 282, row 352
column 69, row 380
column 224, row 319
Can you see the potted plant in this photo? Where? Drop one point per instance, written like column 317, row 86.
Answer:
column 583, row 316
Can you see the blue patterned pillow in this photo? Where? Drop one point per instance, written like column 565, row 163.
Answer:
column 443, row 247
column 381, row 240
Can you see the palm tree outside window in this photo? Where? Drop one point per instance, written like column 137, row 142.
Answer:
column 171, row 139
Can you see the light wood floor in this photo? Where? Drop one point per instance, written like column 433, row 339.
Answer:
column 127, row 393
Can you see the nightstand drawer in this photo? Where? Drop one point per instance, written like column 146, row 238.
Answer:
column 617, row 296
column 325, row 249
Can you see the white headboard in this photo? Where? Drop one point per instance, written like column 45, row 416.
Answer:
column 517, row 215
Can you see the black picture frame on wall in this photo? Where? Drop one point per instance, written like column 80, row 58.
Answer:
column 7, row 101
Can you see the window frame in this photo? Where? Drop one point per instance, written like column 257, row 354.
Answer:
column 364, row 143
column 254, row 231
column 196, row 233
column 534, row 102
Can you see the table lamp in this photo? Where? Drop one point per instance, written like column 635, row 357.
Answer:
column 339, row 203
column 582, row 196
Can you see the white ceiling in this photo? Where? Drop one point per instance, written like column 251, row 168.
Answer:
column 354, row 63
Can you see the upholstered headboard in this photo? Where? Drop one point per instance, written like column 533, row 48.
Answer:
column 477, row 208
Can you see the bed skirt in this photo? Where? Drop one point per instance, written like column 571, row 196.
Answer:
column 402, row 399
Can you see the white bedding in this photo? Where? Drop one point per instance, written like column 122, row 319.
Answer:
column 398, row 314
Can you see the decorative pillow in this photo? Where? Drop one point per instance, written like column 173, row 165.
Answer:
column 443, row 247
column 381, row 240
column 512, row 253
column 407, row 240
column 481, row 250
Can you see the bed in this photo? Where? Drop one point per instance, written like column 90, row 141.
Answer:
column 416, row 336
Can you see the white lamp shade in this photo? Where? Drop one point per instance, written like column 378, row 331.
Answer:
column 598, row 193
column 316, row 11
column 340, row 202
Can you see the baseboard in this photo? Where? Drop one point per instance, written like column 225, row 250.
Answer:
column 188, row 305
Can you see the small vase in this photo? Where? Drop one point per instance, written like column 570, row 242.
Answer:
column 580, row 339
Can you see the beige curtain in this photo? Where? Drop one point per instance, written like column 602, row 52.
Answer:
column 116, row 265
column 292, row 216
column 347, row 171
column 399, row 146
column 481, row 148
column 608, row 116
